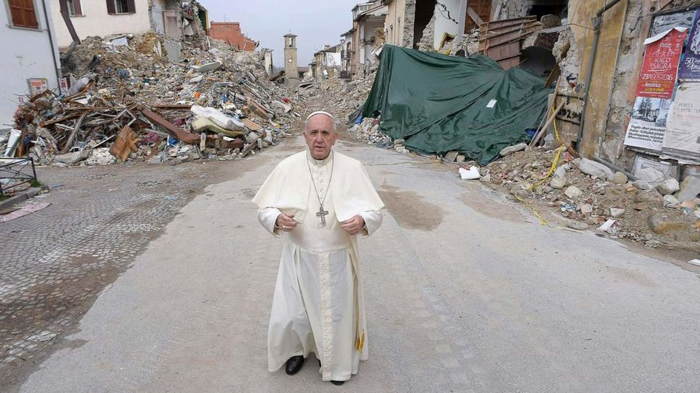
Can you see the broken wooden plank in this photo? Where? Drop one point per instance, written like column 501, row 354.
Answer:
column 542, row 130
column 173, row 106
column 71, row 138
column 125, row 144
column 59, row 120
column 474, row 16
column 175, row 131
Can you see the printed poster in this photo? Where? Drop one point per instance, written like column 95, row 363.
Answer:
column 648, row 124
column 690, row 66
column 682, row 139
column 660, row 67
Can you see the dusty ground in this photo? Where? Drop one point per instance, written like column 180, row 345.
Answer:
column 56, row 262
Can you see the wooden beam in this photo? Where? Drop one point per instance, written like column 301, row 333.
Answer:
column 177, row 132
column 475, row 17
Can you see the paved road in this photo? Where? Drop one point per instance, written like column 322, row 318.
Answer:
column 465, row 294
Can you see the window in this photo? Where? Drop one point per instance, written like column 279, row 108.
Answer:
column 74, row 8
column 115, row 7
column 23, row 13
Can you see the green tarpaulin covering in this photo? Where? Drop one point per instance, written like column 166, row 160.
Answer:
column 441, row 103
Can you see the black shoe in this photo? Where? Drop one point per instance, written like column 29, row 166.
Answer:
column 337, row 383
column 294, row 364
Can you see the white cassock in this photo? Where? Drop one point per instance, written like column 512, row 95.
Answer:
column 318, row 305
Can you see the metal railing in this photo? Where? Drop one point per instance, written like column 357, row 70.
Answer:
column 15, row 172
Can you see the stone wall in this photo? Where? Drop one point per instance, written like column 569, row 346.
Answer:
column 408, row 23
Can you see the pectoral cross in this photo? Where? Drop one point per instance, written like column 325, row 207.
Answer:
column 322, row 215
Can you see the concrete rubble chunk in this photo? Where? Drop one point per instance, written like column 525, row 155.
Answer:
column 207, row 67
column 663, row 223
column 72, row 158
column 595, row 169
column 668, row 186
column 573, row 192
column 648, row 178
column 512, row 149
column 451, row 156
column 671, row 201
column 559, row 178
column 619, row 178
column 616, row 212
column 689, row 188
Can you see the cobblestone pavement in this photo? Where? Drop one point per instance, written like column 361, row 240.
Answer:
column 465, row 293
column 55, row 262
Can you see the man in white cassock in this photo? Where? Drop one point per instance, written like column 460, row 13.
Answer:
column 319, row 200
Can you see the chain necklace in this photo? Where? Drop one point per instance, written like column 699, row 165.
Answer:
column 321, row 214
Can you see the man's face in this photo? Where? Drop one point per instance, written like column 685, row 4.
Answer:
column 320, row 136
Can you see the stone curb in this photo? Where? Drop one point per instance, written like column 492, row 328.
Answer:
column 30, row 193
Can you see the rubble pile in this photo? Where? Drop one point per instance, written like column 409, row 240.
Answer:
column 130, row 102
column 590, row 195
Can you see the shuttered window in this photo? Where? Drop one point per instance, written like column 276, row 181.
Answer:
column 23, row 13
column 121, row 7
column 74, row 8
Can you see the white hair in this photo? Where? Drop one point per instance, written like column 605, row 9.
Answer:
column 320, row 113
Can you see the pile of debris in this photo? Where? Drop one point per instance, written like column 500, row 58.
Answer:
column 653, row 209
column 131, row 102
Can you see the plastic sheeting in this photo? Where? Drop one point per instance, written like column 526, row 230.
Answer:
column 441, row 103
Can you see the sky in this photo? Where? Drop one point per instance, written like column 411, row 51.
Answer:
column 314, row 22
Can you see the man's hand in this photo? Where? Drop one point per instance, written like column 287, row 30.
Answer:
column 354, row 225
column 285, row 222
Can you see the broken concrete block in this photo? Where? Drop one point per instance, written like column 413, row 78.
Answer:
column 595, row 169
column 616, row 212
column 559, row 178
column 619, row 178
column 512, row 149
column 671, row 201
column 663, row 223
column 689, row 188
column 668, row 186
column 573, row 192
column 72, row 158
column 101, row 156
column 207, row 67
column 451, row 156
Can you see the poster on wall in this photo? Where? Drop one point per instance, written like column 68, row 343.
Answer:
column 648, row 124
column 660, row 67
column 37, row 85
column 690, row 66
column 682, row 137
column 657, row 80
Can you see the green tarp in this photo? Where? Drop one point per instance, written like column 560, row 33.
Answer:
column 441, row 103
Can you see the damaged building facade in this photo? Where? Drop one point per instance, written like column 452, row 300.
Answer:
column 591, row 52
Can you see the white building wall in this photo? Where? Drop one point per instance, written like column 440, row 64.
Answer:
column 97, row 22
column 445, row 23
column 26, row 53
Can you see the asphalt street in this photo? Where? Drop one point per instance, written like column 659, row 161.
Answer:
column 465, row 293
